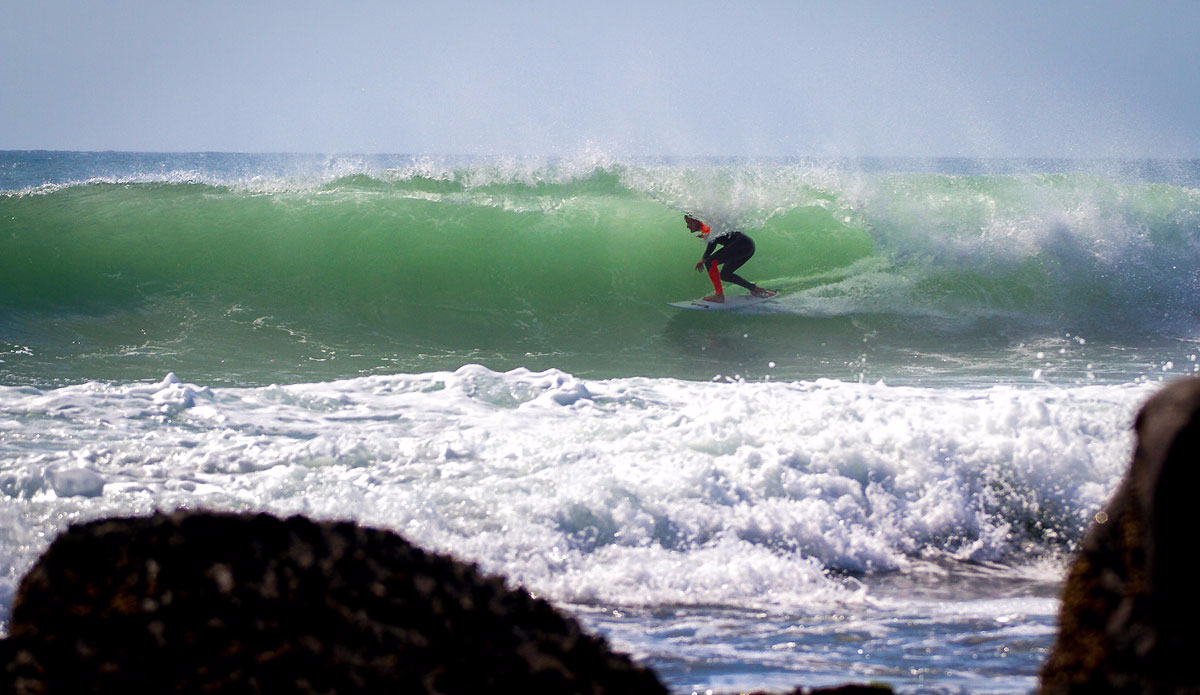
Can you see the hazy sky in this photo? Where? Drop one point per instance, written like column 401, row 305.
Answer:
column 825, row 78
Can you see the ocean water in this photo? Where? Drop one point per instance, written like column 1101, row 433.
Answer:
column 880, row 475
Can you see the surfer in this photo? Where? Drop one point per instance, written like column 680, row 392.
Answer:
column 736, row 249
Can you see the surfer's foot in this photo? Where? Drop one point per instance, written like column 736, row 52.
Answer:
column 720, row 298
column 760, row 292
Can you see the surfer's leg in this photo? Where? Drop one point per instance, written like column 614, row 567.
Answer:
column 733, row 257
column 715, row 276
column 728, row 274
column 736, row 279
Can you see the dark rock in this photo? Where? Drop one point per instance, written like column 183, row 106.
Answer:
column 1130, row 610
column 225, row 603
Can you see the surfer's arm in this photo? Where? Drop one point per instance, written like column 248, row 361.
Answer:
column 708, row 251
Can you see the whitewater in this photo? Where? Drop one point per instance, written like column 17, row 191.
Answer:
column 880, row 475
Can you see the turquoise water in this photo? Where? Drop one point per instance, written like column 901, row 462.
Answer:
column 313, row 269
column 881, row 474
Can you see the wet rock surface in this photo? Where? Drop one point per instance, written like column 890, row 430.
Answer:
column 199, row 602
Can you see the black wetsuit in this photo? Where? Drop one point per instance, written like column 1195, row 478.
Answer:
column 736, row 249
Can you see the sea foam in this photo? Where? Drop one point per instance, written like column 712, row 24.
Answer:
column 624, row 491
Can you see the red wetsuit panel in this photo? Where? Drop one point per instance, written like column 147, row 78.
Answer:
column 714, row 274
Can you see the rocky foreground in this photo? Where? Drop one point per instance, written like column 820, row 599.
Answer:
column 196, row 602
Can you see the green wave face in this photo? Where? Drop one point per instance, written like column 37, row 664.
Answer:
column 428, row 271
column 356, row 245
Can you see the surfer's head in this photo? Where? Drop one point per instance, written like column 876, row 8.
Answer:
column 695, row 225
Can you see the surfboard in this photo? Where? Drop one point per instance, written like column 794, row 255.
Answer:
column 737, row 301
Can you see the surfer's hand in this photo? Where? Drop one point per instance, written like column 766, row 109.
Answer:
column 700, row 267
